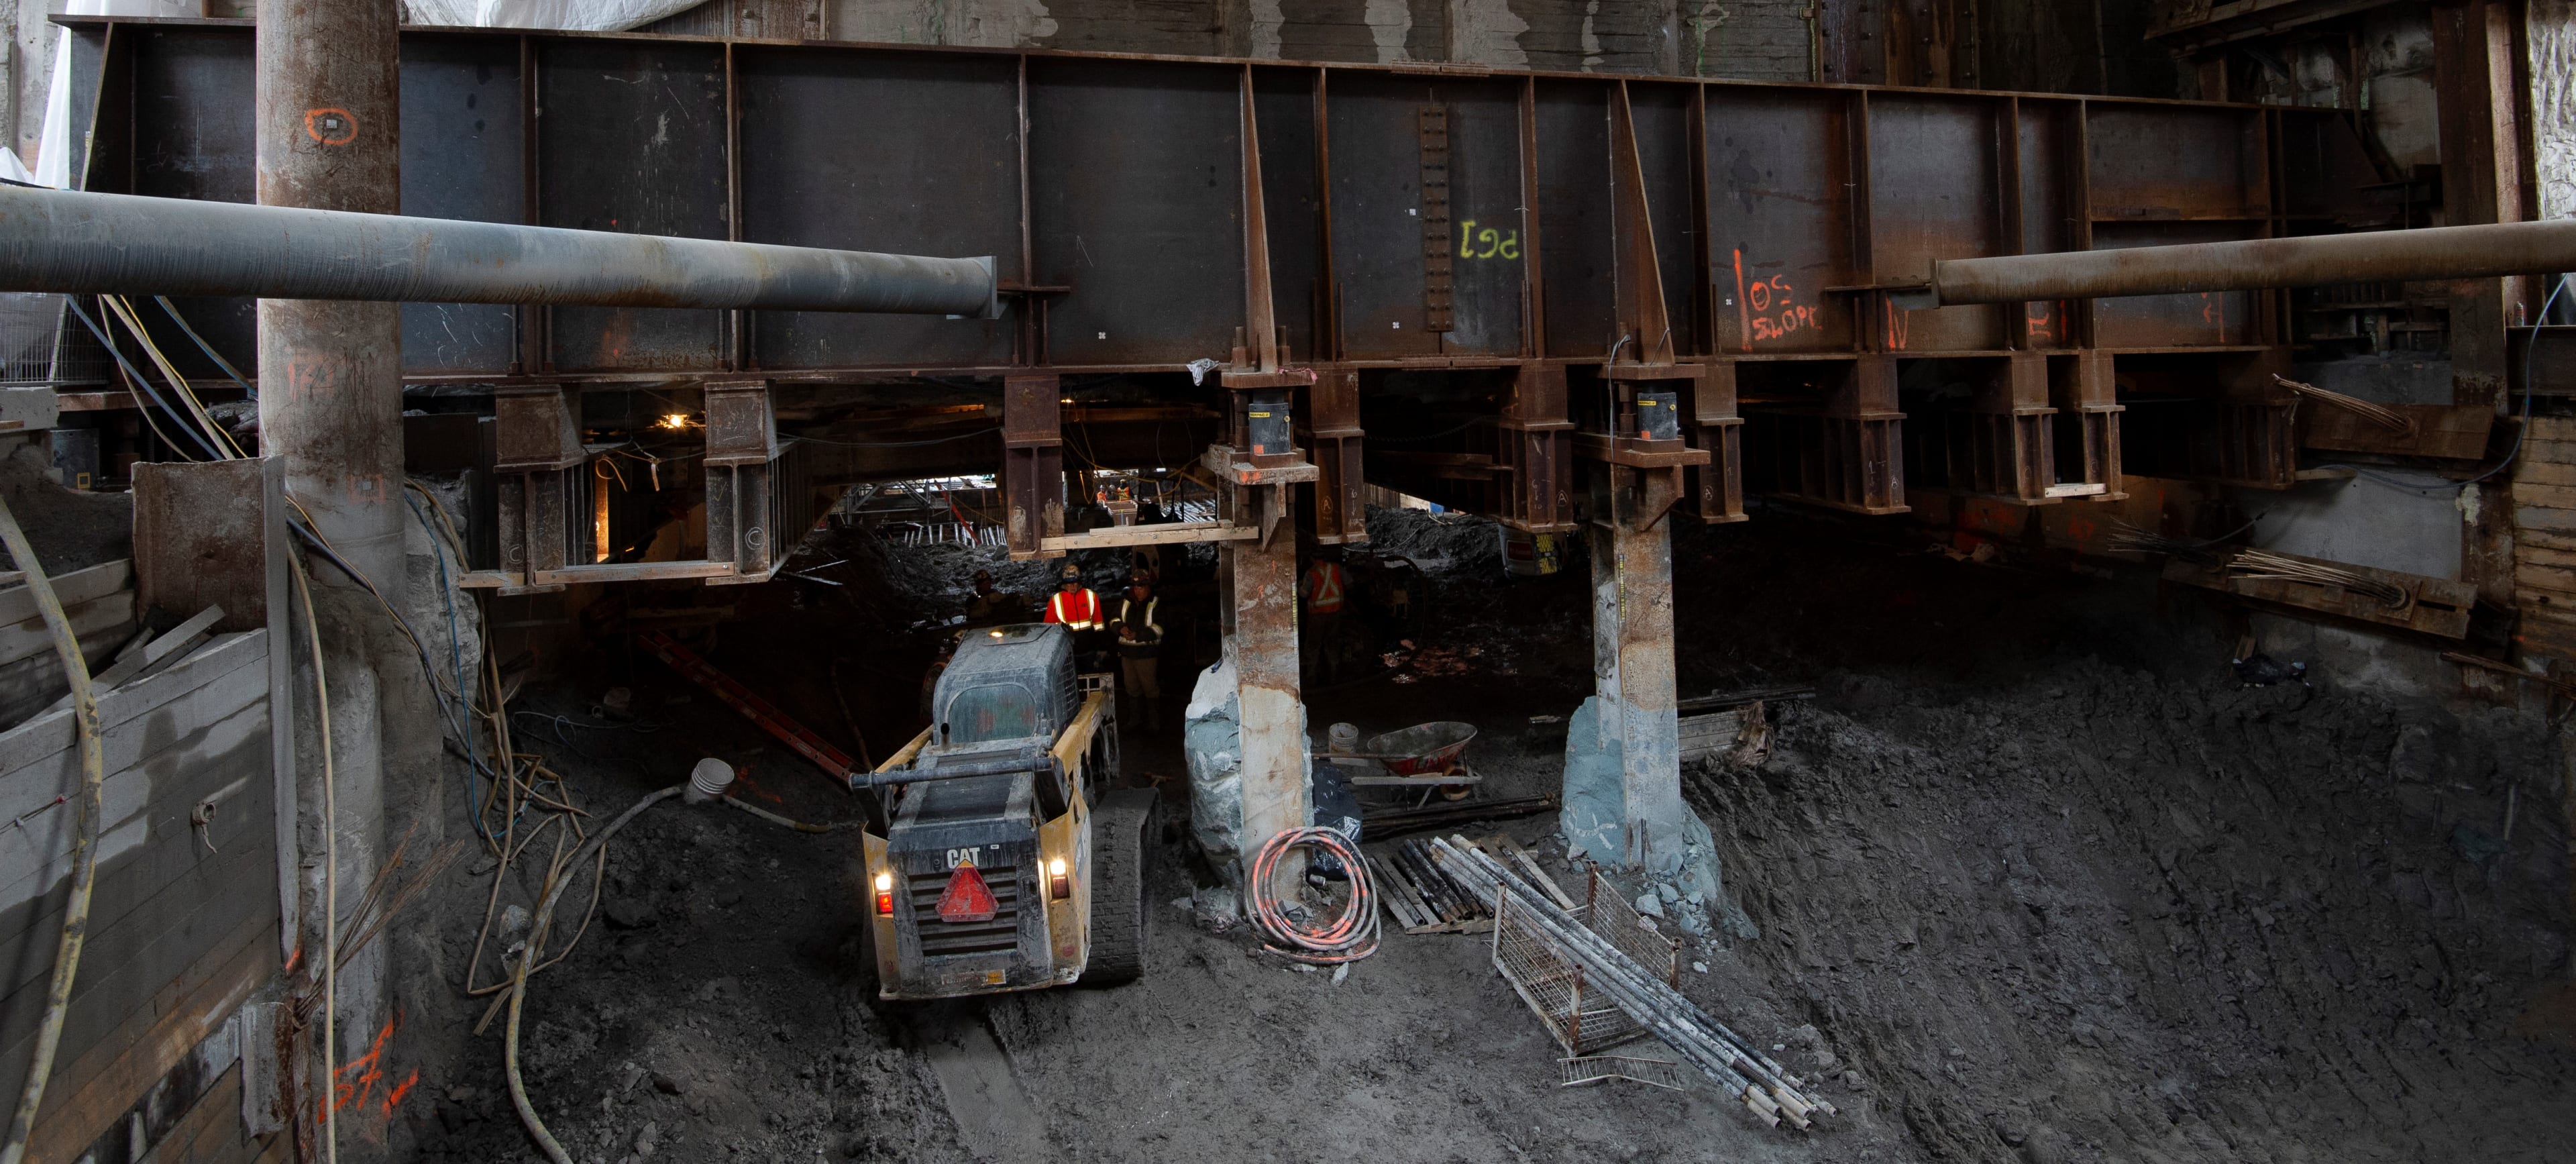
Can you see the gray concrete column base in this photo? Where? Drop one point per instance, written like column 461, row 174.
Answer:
column 1669, row 854
column 1212, row 742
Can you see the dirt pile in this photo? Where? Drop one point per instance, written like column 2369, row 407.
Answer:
column 2102, row 915
column 1447, row 543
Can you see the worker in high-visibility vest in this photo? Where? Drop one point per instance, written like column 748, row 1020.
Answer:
column 1325, row 588
column 1075, row 606
column 1140, row 648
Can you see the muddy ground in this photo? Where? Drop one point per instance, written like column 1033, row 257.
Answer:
column 2037, row 880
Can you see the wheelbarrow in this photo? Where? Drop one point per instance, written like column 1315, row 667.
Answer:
column 1428, row 756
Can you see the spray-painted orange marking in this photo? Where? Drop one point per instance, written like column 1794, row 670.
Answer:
column 1743, row 314
column 394, row 1098
column 357, row 1080
column 331, row 126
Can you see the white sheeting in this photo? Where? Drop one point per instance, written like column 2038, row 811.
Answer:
column 567, row 15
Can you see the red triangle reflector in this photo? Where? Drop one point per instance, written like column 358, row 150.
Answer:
column 967, row 899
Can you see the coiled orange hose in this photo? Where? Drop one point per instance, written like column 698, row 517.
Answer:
column 1347, row 936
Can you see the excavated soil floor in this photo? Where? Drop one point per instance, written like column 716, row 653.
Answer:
column 2036, row 880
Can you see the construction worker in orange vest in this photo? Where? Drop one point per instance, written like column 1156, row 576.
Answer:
column 1074, row 606
column 1324, row 588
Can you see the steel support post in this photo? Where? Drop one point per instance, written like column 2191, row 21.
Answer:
column 1032, row 463
column 1333, row 442
column 2012, row 453
column 1632, row 651
column 1623, row 778
column 1260, row 624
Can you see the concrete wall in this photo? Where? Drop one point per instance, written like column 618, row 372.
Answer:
column 2364, row 522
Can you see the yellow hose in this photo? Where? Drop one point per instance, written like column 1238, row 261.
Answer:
column 93, row 758
column 330, row 875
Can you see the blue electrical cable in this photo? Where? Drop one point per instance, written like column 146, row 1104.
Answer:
column 203, row 346
column 185, row 425
column 456, row 660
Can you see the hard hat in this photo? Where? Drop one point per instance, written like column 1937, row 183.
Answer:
column 1072, row 573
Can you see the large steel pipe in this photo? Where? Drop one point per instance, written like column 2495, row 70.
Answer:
column 2442, row 252
column 79, row 243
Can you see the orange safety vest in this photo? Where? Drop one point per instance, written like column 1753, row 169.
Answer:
column 1079, row 610
column 1324, row 588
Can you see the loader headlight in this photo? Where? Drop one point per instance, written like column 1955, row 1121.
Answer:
column 1059, row 886
column 885, row 894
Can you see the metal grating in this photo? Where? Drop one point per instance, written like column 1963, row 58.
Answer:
column 1582, row 1022
column 1582, row 1069
column 1000, row 934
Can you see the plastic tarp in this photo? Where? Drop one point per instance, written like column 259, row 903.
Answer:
column 564, row 15
column 1213, row 742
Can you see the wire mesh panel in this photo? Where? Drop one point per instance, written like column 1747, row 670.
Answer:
column 37, row 348
column 1583, row 1022
column 1582, row 1069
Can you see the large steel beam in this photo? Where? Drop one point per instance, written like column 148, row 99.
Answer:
column 2443, row 252
column 74, row 242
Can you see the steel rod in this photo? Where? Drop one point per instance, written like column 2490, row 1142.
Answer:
column 2442, row 252
column 75, row 242
column 1714, row 1049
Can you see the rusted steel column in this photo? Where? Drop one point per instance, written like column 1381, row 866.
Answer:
column 1261, row 637
column 1333, row 441
column 326, row 109
column 1032, row 463
column 1632, row 651
column 1537, row 442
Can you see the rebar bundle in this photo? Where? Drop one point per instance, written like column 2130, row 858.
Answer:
column 2378, row 414
column 2258, row 564
column 1734, row 1062
column 2132, row 539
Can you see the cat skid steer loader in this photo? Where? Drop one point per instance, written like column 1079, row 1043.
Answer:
column 1008, row 862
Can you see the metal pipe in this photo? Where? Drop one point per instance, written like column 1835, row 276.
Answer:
column 2442, row 252
column 75, row 242
column 959, row 770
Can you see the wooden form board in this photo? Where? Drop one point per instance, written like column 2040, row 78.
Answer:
column 2437, row 606
column 184, row 922
column 1709, row 734
column 2544, row 538
column 96, row 600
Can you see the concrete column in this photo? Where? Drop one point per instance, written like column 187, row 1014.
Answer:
column 1632, row 654
column 1623, row 793
column 326, row 116
column 1261, row 640
column 331, row 373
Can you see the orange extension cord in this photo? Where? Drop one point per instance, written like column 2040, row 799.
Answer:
column 1347, row 937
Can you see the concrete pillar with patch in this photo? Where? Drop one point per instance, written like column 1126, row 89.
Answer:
column 1623, row 799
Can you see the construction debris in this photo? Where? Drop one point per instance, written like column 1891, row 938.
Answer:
column 1398, row 821
column 1737, row 1065
column 1583, row 1021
